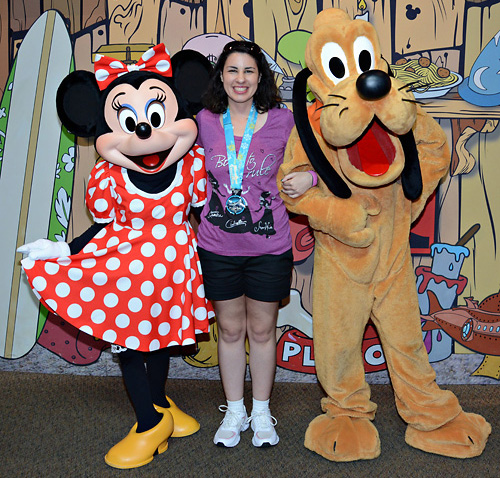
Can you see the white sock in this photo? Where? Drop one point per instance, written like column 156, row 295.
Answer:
column 260, row 406
column 236, row 406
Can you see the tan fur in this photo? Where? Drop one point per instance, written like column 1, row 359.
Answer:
column 363, row 268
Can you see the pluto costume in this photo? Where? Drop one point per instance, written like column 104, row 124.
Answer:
column 379, row 157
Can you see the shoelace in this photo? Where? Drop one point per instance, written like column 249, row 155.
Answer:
column 263, row 420
column 231, row 419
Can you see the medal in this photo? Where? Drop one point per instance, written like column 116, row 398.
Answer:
column 236, row 204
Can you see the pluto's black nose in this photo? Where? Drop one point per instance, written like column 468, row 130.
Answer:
column 373, row 85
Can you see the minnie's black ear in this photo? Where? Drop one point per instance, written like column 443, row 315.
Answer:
column 411, row 177
column 78, row 103
column 309, row 142
column 191, row 73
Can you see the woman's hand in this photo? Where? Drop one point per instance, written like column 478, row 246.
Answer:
column 297, row 183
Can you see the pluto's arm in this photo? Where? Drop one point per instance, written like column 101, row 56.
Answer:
column 343, row 219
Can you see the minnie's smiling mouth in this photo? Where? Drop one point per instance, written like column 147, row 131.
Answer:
column 150, row 162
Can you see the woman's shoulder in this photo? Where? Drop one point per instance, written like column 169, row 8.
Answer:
column 206, row 115
column 282, row 115
column 281, row 111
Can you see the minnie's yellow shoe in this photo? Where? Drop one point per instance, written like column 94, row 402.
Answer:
column 138, row 449
column 184, row 424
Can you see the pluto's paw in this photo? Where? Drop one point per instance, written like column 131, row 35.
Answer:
column 464, row 437
column 343, row 438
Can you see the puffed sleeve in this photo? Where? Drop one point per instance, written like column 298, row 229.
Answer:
column 199, row 197
column 101, row 194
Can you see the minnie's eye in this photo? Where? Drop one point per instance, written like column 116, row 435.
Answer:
column 156, row 114
column 334, row 62
column 128, row 120
column 364, row 54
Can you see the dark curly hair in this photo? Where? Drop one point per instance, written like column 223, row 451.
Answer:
column 267, row 95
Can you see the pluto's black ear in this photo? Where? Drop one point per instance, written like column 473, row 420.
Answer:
column 309, row 142
column 78, row 103
column 191, row 73
column 389, row 70
column 411, row 177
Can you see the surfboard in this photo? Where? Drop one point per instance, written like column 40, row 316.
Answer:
column 33, row 171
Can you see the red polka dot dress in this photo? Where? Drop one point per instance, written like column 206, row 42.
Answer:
column 138, row 282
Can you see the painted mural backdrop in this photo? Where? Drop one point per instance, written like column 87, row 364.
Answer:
column 448, row 49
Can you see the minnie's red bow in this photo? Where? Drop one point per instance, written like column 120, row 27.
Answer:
column 156, row 60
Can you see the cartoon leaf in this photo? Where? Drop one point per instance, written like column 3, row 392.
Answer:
column 63, row 207
column 292, row 46
column 60, row 237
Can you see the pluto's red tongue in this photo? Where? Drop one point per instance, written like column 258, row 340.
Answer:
column 151, row 161
column 374, row 152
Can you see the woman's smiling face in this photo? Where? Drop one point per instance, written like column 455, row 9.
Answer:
column 240, row 77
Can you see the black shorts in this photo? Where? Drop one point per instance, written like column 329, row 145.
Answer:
column 266, row 278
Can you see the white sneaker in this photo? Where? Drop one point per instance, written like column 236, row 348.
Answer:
column 228, row 434
column 263, row 426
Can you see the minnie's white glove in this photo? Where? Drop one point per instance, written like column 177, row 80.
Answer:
column 45, row 249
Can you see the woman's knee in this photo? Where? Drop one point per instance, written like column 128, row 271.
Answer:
column 231, row 333
column 261, row 333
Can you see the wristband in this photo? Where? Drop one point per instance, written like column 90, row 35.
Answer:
column 315, row 177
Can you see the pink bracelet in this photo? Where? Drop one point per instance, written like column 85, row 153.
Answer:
column 315, row 177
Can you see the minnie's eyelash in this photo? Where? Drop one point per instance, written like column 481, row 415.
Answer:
column 160, row 97
column 116, row 105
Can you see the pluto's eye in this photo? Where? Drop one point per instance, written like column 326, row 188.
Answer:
column 127, row 119
column 364, row 54
column 334, row 62
column 156, row 114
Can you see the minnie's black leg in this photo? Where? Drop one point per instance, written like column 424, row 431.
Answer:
column 157, row 364
column 137, row 385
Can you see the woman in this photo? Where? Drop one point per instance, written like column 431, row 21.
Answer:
column 244, row 236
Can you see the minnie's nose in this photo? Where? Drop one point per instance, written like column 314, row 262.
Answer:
column 373, row 85
column 143, row 130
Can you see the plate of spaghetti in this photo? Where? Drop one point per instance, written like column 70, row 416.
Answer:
column 424, row 78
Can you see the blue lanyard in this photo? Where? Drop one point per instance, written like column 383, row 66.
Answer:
column 237, row 164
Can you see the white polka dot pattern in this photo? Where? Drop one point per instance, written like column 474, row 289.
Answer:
column 137, row 282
